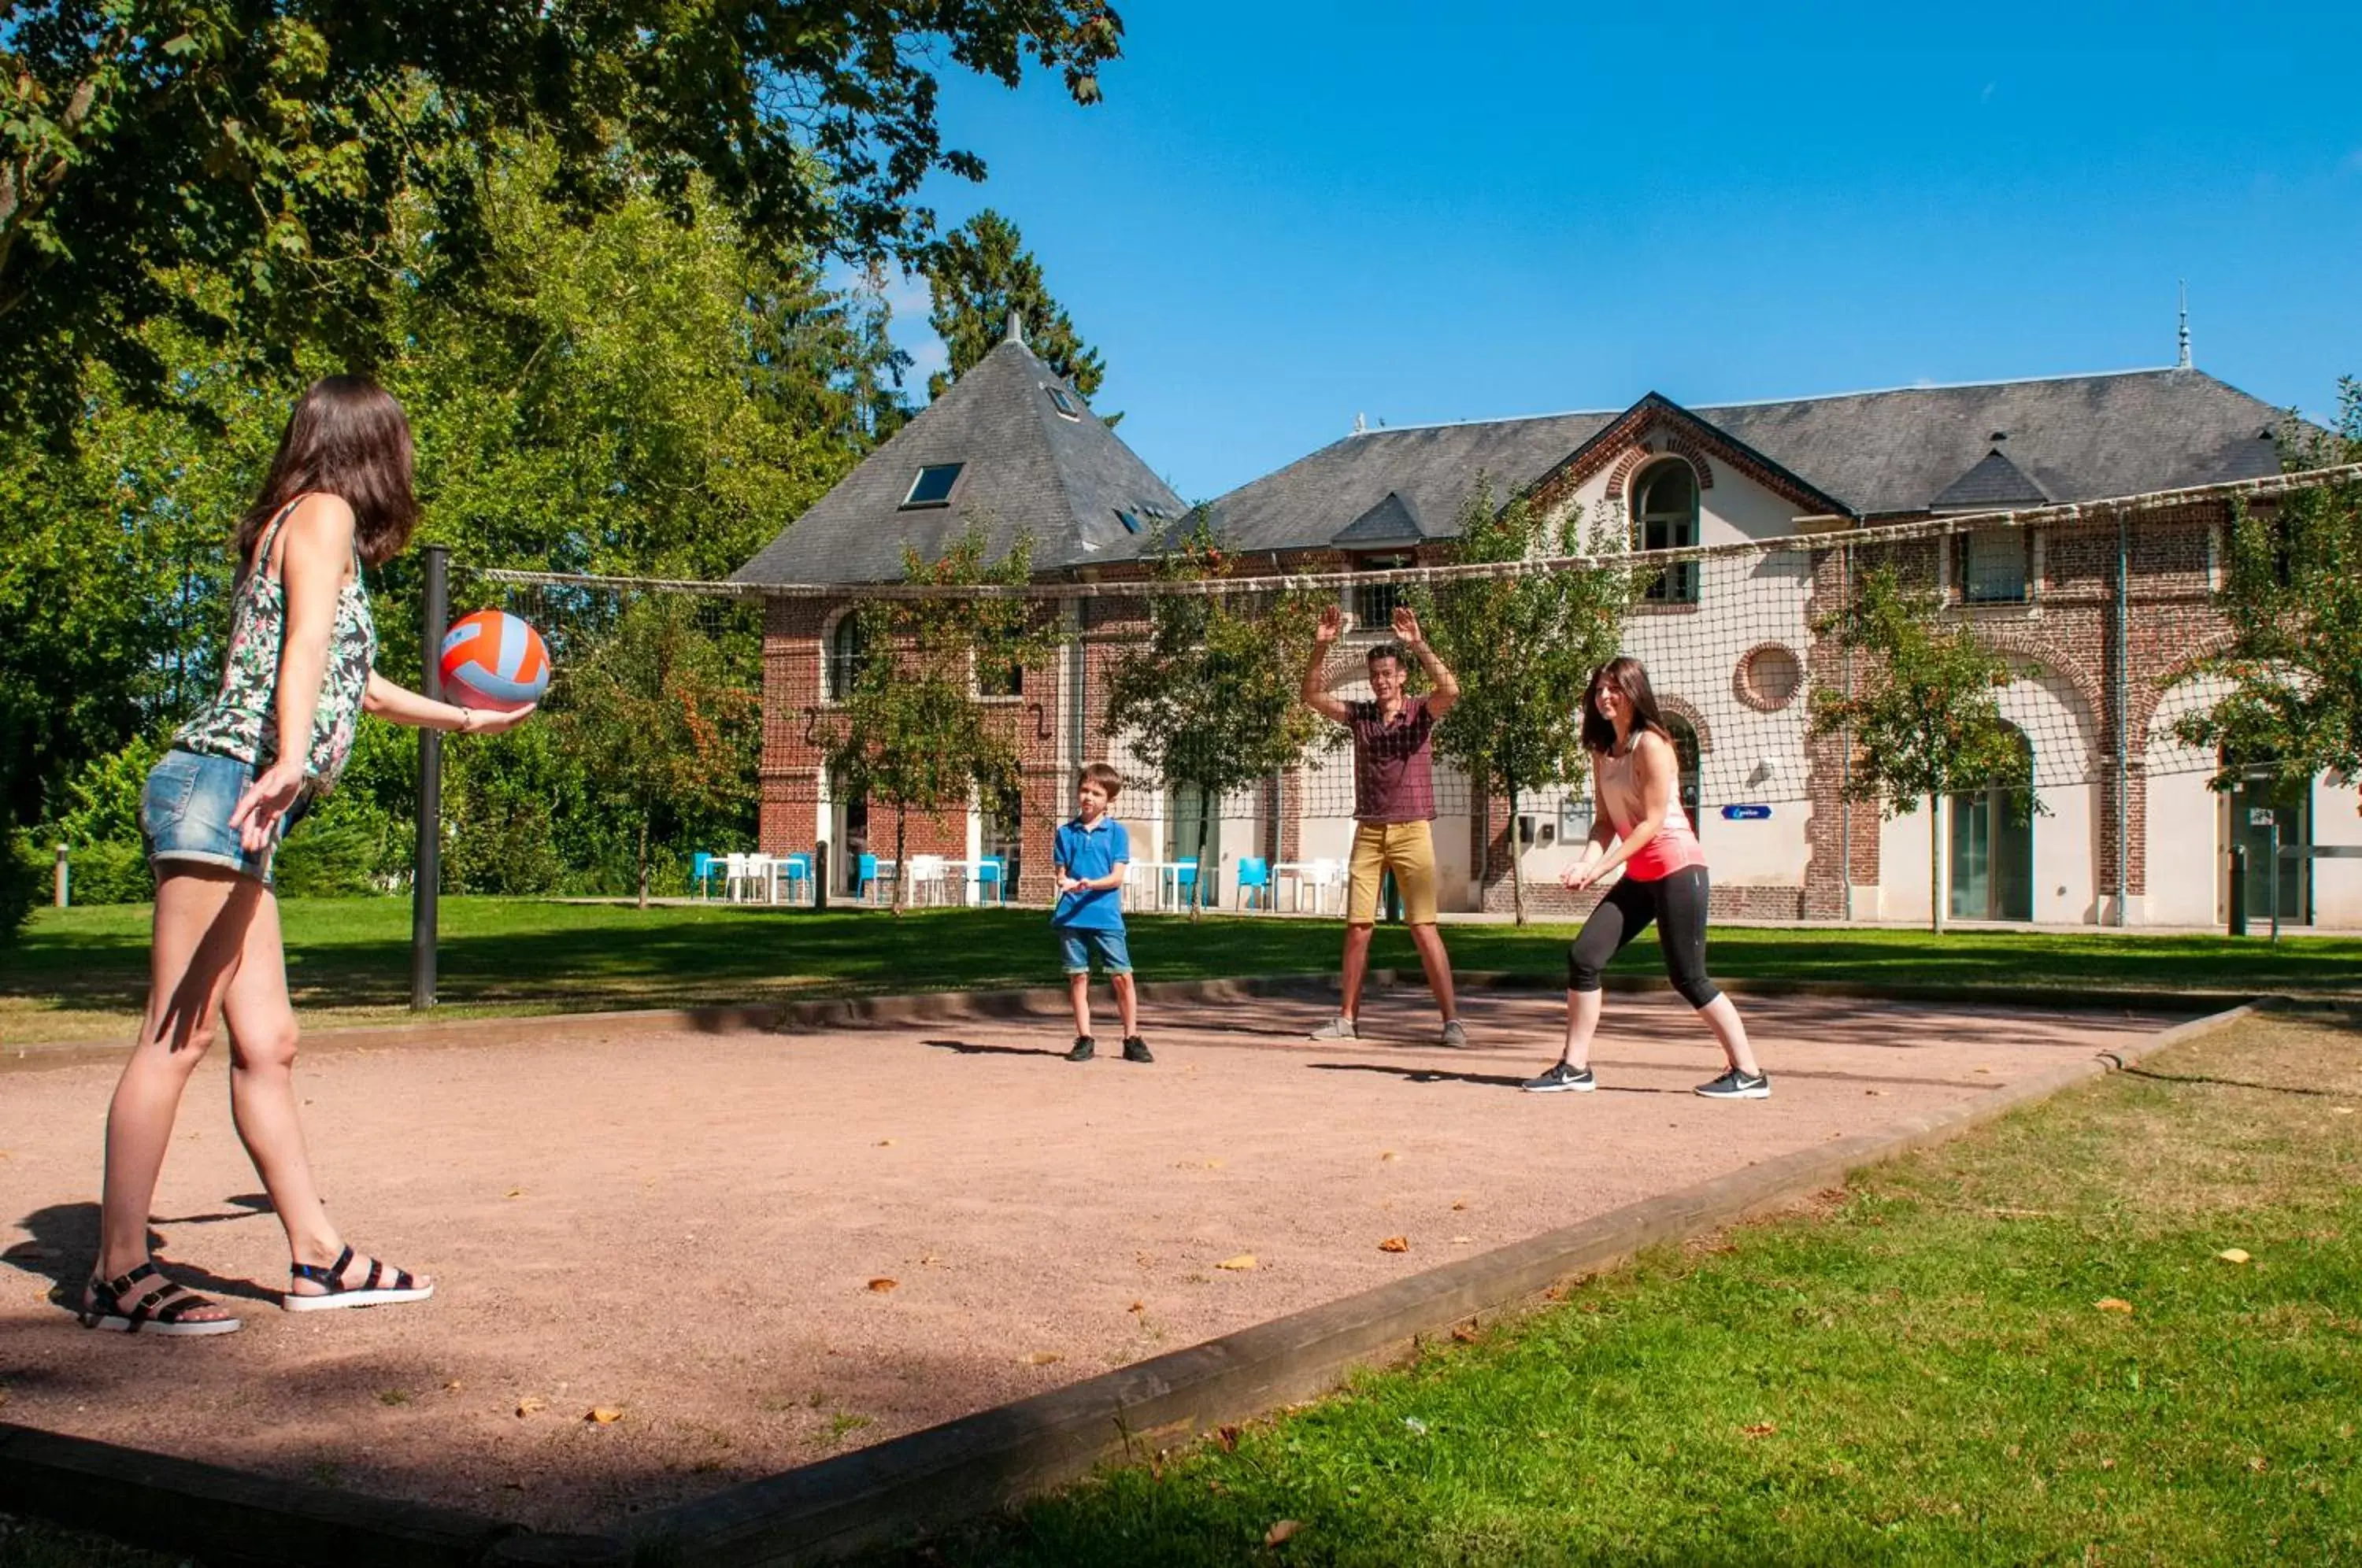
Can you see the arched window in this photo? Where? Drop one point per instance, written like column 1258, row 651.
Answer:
column 848, row 649
column 1992, row 849
column 1665, row 517
column 1686, row 749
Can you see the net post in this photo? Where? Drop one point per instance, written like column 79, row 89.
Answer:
column 426, row 876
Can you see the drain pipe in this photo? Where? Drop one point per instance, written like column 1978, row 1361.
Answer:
column 2124, row 715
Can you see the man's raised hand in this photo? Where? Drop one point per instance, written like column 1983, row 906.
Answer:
column 1407, row 626
column 1331, row 626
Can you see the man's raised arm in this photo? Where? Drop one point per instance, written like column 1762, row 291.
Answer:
column 1443, row 687
column 1313, row 694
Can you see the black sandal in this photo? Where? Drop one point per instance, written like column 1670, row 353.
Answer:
column 334, row 1294
column 121, row 1306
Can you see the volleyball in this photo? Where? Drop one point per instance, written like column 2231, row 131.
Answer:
column 491, row 659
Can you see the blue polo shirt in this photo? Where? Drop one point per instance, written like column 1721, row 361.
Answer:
column 1090, row 851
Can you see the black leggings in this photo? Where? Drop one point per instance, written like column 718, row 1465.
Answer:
column 1677, row 903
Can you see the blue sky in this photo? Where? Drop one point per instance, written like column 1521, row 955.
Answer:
column 1286, row 214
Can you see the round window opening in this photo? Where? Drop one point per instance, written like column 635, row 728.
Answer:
column 1769, row 677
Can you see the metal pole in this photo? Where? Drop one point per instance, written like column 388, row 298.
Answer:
column 1845, row 741
column 63, row 892
column 426, row 877
column 2276, row 873
column 2124, row 740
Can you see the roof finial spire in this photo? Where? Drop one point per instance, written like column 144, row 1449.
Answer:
column 1360, row 424
column 1016, row 331
column 2181, row 361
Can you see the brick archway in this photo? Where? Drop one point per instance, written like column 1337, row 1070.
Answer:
column 2151, row 695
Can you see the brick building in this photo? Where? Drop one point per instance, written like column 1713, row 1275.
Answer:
column 1766, row 511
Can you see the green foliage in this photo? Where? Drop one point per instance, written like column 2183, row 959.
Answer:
column 2293, row 595
column 1208, row 699
column 1524, row 648
column 268, row 146
column 910, row 734
column 20, row 883
column 977, row 275
column 1922, row 718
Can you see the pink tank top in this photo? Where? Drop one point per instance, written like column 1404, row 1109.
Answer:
column 1676, row 847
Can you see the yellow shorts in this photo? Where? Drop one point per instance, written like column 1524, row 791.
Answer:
column 1407, row 849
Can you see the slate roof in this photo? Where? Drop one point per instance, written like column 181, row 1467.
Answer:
column 1026, row 468
column 1881, row 454
column 1994, row 484
column 1391, row 522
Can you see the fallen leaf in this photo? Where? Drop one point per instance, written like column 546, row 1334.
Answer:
column 514, row 1192
column 1389, row 1154
column 1761, row 1429
column 2112, row 1304
column 1240, row 1263
column 1395, row 1244
column 1137, row 1307
column 1555, row 1293
column 527, row 1406
column 1874, row 1091
column 1214, row 1164
column 1465, row 1335
column 930, row 1261
column 2259, row 1465
column 1227, row 1436
column 2231, row 1254
column 603, row 1415
column 1278, row 1534
column 1042, row 1358
column 884, row 1142
column 882, row 1284
column 1462, row 1204
column 452, row 1386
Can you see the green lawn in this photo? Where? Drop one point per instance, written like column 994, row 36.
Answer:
column 1925, row 1371
column 1929, row 1367
column 80, row 974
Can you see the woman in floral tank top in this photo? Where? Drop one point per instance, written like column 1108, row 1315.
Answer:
column 301, row 644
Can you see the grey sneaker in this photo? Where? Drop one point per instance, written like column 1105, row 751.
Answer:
column 1563, row 1079
column 1338, row 1028
column 1736, row 1085
column 1454, row 1034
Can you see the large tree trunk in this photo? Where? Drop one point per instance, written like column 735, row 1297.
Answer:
column 1516, row 860
column 643, row 860
column 1935, row 865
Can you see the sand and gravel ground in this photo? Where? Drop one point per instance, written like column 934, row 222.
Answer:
column 694, row 1233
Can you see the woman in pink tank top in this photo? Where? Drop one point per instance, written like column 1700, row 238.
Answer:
column 1637, row 827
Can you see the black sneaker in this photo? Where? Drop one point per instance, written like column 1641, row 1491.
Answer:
column 1085, row 1045
column 1736, row 1085
column 1563, row 1079
column 1135, row 1049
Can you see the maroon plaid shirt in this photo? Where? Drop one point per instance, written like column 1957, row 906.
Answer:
column 1393, row 777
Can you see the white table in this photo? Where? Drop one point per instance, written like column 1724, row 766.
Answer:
column 1167, row 880
column 1318, row 875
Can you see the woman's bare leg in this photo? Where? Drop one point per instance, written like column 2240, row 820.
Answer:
column 197, row 941
column 263, row 1037
column 1723, row 1019
column 1582, row 1023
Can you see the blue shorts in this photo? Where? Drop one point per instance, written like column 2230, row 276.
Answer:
column 1115, row 958
column 184, row 813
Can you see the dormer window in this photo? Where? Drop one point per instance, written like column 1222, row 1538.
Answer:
column 934, row 485
column 1064, row 403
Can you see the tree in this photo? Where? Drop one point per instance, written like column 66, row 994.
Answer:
column 1524, row 648
column 1207, row 700
column 2293, row 595
column 911, row 734
column 263, row 142
column 980, row 273
column 658, row 726
column 1922, row 720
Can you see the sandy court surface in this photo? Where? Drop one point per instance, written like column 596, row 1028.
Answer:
column 686, row 1229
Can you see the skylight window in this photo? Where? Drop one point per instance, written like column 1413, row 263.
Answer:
column 1130, row 524
column 934, row 485
column 1065, row 405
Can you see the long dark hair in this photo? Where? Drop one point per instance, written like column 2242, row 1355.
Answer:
column 347, row 438
column 1631, row 679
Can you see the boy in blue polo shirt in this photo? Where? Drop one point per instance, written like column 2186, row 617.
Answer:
column 1091, row 854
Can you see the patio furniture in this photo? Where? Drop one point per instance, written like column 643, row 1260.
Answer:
column 992, row 880
column 1254, row 888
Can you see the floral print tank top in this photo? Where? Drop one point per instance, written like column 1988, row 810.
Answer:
column 242, row 721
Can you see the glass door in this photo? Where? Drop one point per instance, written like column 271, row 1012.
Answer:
column 2262, row 816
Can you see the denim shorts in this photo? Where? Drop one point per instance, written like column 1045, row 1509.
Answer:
column 1115, row 958
column 184, row 813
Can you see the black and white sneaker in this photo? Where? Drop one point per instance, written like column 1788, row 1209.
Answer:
column 1736, row 1085
column 1562, row 1079
column 1085, row 1045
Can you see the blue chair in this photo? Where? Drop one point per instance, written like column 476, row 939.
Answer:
column 794, row 870
column 1254, row 883
column 992, row 880
column 1185, row 882
column 866, row 882
column 701, row 867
